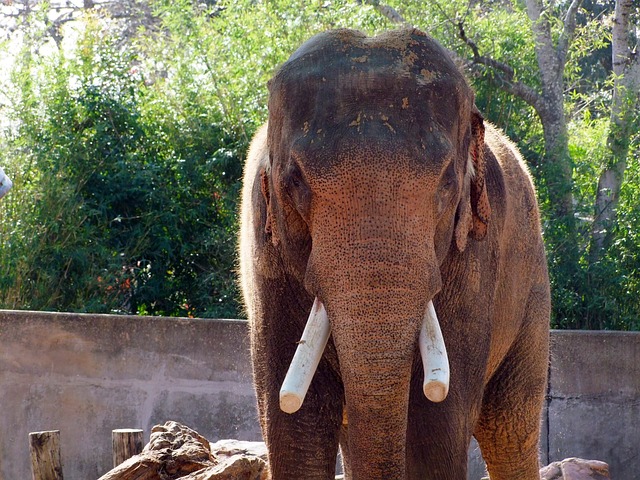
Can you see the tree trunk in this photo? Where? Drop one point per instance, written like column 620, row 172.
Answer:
column 626, row 71
column 557, row 164
column 561, row 231
column 558, row 170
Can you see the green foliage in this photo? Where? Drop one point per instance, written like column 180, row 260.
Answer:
column 117, row 207
column 127, row 157
column 606, row 292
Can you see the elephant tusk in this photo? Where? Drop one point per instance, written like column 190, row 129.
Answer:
column 306, row 359
column 5, row 183
column 434, row 357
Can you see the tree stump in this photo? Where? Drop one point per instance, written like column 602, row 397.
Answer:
column 127, row 442
column 46, row 461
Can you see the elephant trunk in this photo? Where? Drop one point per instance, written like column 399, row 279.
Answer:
column 376, row 297
column 376, row 350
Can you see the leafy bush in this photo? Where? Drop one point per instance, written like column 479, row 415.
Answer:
column 117, row 208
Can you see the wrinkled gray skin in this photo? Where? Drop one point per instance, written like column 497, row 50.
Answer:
column 377, row 187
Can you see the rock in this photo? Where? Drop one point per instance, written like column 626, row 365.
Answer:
column 181, row 449
column 176, row 452
column 228, row 448
column 575, row 469
column 236, row 467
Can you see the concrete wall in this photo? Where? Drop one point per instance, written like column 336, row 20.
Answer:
column 86, row 375
column 89, row 374
column 594, row 399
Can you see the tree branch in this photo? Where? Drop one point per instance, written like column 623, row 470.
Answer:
column 477, row 58
column 548, row 61
column 388, row 12
column 503, row 73
column 626, row 70
column 568, row 31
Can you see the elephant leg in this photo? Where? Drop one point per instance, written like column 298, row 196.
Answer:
column 508, row 429
column 437, row 437
column 303, row 444
column 431, row 460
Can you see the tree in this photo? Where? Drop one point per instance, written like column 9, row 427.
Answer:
column 623, row 121
column 53, row 15
column 119, row 206
column 187, row 90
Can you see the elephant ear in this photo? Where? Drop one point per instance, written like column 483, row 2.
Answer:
column 474, row 209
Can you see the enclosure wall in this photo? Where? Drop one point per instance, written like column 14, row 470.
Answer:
column 86, row 375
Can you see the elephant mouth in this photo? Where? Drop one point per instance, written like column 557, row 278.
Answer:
column 314, row 340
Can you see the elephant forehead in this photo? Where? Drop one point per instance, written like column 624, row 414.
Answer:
column 350, row 98
column 348, row 66
column 406, row 51
column 345, row 84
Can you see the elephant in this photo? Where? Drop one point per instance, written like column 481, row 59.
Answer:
column 375, row 191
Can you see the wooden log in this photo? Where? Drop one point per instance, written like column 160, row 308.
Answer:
column 127, row 442
column 46, row 461
column 174, row 451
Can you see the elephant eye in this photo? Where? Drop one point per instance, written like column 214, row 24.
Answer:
column 448, row 184
column 448, row 187
column 296, row 189
column 449, row 180
column 293, row 179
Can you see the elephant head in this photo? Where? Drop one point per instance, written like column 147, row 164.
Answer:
column 376, row 172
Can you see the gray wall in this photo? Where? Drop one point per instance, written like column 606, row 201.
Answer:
column 594, row 401
column 89, row 374
column 86, row 375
